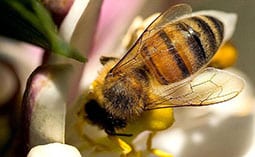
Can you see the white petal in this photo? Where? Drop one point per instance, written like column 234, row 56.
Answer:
column 45, row 100
column 78, row 28
column 53, row 150
column 79, row 25
column 68, row 25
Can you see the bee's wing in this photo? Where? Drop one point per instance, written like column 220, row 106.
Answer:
column 211, row 86
column 129, row 59
column 170, row 15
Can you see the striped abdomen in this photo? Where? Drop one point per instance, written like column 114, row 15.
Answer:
column 180, row 49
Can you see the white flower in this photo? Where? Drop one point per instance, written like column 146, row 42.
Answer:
column 55, row 92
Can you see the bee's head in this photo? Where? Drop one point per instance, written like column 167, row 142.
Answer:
column 99, row 116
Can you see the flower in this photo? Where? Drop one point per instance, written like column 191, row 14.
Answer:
column 56, row 91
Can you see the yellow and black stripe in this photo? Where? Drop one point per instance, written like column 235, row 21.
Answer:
column 180, row 49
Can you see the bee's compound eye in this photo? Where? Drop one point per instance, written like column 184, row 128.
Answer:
column 95, row 113
column 92, row 107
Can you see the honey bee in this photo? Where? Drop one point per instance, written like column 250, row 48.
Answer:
column 166, row 67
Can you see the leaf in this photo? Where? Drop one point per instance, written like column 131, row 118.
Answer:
column 29, row 21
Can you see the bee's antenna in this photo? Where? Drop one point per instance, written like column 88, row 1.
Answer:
column 123, row 134
column 113, row 133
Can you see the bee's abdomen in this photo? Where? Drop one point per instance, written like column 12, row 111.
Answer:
column 182, row 48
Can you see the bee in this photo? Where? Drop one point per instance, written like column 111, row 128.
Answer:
column 166, row 67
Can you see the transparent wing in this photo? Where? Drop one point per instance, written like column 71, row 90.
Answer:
column 170, row 15
column 130, row 58
column 211, row 86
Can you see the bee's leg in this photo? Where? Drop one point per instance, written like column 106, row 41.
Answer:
column 105, row 59
column 127, row 149
column 155, row 151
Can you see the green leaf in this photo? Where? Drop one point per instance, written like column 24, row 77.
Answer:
column 29, row 21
